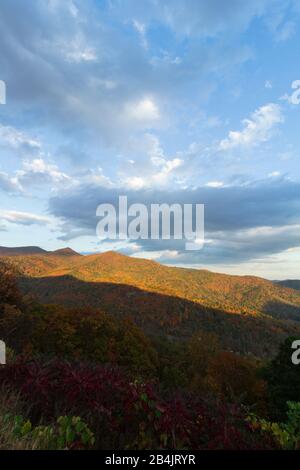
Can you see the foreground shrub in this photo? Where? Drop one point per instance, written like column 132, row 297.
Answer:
column 18, row 433
column 10, row 405
column 126, row 414
column 66, row 434
column 287, row 434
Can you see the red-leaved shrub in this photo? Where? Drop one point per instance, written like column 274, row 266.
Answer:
column 126, row 414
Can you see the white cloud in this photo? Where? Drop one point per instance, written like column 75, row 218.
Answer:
column 215, row 184
column 154, row 177
column 141, row 29
column 23, row 218
column 256, row 130
column 38, row 172
column 151, row 167
column 92, row 176
column 8, row 184
column 16, row 139
column 145, row 110
column 168, row 166
column 160, row 256
column 136, row 182
column 77, row 50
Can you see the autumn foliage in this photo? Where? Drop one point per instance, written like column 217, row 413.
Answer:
column 126, row 414
column 131, row 385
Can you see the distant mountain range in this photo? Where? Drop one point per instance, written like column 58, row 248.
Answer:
column 291, row 283
column 34, row 250
column 250, row 314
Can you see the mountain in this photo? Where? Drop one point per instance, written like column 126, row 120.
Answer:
column 34, row 250
column 249, row 314
column 234, row 294
column 34, row 261
column 19, row 251
column 291, row 283
column 65, row 252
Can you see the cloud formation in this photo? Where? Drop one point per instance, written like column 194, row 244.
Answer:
column 241, row 222
column 146, row 99
column 256, row 130
column 23, row 218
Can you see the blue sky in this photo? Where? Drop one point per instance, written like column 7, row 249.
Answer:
column 168, row 100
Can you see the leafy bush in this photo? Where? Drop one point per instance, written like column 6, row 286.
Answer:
column 67, row 433
column 127, row 414
column 18, row 433
column 287, row 434
column 10, row 405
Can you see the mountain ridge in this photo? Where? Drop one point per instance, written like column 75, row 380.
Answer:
column 251, row 315
column 290, row 283
column 35, row 250
column 234, row 294
column 19, row 250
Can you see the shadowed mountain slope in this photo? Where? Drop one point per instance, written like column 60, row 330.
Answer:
column 249, row 314
column 291, row 283
column 246, row 295
column 159, row 314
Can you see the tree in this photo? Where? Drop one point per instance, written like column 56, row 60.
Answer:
column 9, row 291
column 235, row 378
column 14, row 326
column 283, row 380
column 202, row 348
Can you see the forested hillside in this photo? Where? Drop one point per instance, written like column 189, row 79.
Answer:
column 140, row 370
column 250, row 315
column 236, row 294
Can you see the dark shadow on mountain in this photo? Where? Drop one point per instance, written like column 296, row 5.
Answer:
column 158, row 314
column 282, row 310
column 290, row 283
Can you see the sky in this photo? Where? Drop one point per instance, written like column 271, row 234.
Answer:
column 194, row 101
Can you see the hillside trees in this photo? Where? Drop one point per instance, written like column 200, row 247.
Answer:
column 9, row 291
column 14, row 325
column 224, row 374
column 236, row 379
column 202, row 348
column 283, row 380
column 91, row 335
